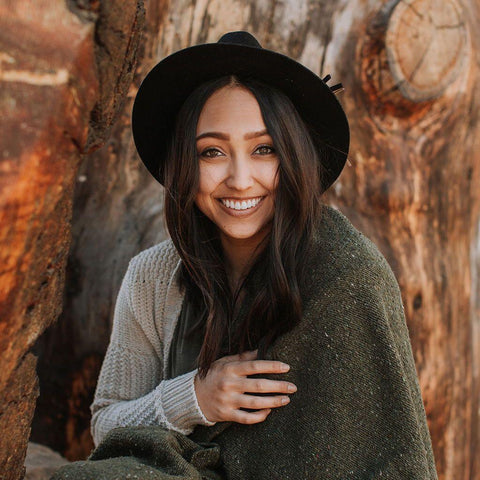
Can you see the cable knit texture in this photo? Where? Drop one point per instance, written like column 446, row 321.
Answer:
column 132, row 389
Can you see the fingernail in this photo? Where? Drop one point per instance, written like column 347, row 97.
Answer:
column 285, row 400
column 292, row 388
column 285, row 367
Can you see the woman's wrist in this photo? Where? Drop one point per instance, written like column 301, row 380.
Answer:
column 196, row 382
column 179, row 403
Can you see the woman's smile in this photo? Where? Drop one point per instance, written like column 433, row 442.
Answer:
column 241, row 207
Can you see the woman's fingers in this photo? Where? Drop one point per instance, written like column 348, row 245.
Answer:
column 256, row 402
column 247, row 355
column 238, row 371
column 240, row 416
column 252, row 367
column 221, row 393
column 264, row 385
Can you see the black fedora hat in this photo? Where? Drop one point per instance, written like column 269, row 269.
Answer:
column 170, row 82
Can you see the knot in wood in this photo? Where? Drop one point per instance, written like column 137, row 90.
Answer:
column 427, row 46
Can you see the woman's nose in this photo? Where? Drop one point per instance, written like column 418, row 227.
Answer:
column 240, row 175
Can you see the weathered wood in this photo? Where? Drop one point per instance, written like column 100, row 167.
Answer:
column 413, row 189
column 427, row 46
column 49, row 87
column 412, row 186
column 18, row 403
column 117, row 211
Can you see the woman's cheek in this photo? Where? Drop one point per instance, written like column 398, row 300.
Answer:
column 269, row 175
column 210, row 177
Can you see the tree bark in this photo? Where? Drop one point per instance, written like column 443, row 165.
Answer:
column 411, row 185
column 56, row 100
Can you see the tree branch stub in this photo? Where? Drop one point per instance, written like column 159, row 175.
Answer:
column 427, row 47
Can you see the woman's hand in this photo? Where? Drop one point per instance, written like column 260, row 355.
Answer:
column 221, row 393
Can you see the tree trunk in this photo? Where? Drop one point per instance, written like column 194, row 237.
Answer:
column 59, row 96
column 411, row 185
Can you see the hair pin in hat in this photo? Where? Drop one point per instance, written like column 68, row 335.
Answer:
column 335, row 88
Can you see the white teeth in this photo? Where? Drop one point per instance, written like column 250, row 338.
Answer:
column 243, row 205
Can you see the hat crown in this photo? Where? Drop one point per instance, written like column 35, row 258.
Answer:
column 241, row 37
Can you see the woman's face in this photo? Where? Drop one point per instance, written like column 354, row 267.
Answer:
column 237, row 163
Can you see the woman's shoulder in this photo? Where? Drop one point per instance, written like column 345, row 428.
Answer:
column 154, row 263
column 344, row 251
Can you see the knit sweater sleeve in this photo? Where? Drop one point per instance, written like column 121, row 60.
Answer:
column 131, row 390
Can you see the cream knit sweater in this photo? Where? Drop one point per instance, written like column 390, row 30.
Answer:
column 132, row 389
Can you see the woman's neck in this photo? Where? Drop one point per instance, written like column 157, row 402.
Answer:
column 240, row 255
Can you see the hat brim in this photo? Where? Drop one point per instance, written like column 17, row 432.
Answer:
column 169, row 83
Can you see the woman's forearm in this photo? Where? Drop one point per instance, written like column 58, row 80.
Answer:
column 171, row 404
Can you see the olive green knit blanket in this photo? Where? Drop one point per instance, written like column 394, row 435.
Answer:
column 357, row 413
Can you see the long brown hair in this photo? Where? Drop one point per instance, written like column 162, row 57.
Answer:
column 276, row 304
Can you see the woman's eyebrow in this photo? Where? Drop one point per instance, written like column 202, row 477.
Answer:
column 250, row 135
column 221, row 136
column 225, row 136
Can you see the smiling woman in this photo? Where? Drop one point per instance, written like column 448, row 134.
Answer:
column 238, row 139
column 238, row 172
column 266, row 338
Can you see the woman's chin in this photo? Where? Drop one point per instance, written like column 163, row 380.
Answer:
column 245, row 234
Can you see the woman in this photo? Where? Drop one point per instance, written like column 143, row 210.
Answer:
column 261, row 292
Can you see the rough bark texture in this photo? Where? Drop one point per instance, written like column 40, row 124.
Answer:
column 56, row 104
column 117, row 211
column 412, row 186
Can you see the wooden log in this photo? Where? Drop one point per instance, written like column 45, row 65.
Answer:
column 427, row 47
column 49, row 87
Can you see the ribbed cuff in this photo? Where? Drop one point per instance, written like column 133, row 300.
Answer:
column 178, row 404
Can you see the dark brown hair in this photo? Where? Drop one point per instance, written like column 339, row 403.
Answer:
column 276, row 304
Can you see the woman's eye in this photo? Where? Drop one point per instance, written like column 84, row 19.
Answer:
column 211, row 153
column 265, row 150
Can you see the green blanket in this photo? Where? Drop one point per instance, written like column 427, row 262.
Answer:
column 357, row 414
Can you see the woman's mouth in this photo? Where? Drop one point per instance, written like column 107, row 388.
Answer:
column 240, row 208
column 241, row 204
